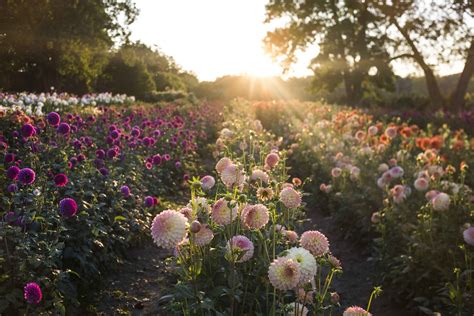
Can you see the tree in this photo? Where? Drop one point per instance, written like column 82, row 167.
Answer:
column 58, row 43
column 352, row 48
column 430, row 33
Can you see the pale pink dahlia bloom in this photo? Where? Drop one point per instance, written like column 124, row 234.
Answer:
column 315, row 242
column 222, row 214
column 272, row 159
column 255, row 216
column 222, row 164
column 336, row 172
column 291, row 235
column 441, row 202
column 290, row 197
column 207, row 182
column 356, row 311
column 284, row 273
column 421, row 184
column 306, row 262
column 204, row 236
column 232, row 175
column 258, row 174
column 168, row 228
column 242, row 246
column 468, row 235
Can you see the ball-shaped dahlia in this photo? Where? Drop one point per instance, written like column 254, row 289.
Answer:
column 242, row 246
column 63, row 128
column 26, row 176
column 168, row 229
column 32, row 293
column 421, row 184
column 27, row 130
column 290, row 197
column 441, row 202
column 222, row 214
column 222, row 164
column 305, row 259
column 53, row 118
column 232, row 176
column 125, row 190
column 272, row 159
column 315, row 242
column 9, row 157
column 468, row 235
column 149, row 201
column 284, row 273
column 67, row 207
column 258, row 174
column 356, row 311
column 336, row 172
column 12, row 172
column 60, row 179
column 204, row 236
column 207, row 183
column 291, row 235
column 255, row 216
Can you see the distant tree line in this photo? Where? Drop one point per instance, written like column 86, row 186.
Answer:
column 80, row 46
column 407, row 93
column 360, row 40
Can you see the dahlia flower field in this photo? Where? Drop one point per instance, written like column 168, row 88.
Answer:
column 404, row 190
column 238, row 244
column 42, row 103
column 79, row 187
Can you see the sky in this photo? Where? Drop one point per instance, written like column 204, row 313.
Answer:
column 213, row 38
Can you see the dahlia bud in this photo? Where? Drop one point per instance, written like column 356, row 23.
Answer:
column 335, row 298
column 195, row 227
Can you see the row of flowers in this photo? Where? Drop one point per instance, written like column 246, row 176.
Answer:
column 39, row 104
column 236, row 245
column 80, row 188
column 405, row 188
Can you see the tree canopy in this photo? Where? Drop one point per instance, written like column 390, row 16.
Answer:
column 359, row 40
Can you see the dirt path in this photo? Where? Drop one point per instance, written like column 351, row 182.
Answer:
column 357, row 281
column 134, row 288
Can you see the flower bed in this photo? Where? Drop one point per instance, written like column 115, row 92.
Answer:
column 80, row 188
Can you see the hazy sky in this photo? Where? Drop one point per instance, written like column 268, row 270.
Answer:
column 213, row 38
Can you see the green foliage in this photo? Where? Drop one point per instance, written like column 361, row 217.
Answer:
column 58, row 43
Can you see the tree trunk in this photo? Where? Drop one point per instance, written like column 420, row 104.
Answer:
column 434, row 92
column 457, row 98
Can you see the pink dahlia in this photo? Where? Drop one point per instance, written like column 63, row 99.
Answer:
column 222, row 164
column 232, row 175
column 291, row 235
column 336, row 172
column 272, row 159
column 242, row 246
column 356, row 311
column 421, row 184
column 468, row 235
column 204, row 236
column 315, row 242
column 441, row 202
column 284, row 273
column 207, row 182
column 290, row 197
column 258, row 174
column 168, row 228
column 222, row 214
column 255, row 216
column 32, row 293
